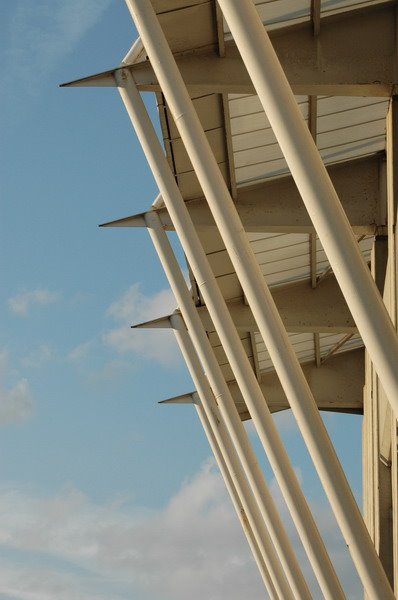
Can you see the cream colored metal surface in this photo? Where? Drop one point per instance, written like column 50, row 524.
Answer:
column 331, row 227
column 346, row 128
column 282, row 13
column 343, row 126
column 343, row 133
column 357, row 58
column 350, row 68
column 234, row 475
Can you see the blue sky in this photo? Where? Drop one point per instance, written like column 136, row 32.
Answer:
column 103, row 493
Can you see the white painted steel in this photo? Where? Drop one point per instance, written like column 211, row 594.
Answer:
column 317, row 191
column 133, row 53
column 231, row 469
column 347, row 127
column 238, row 505
column 221, row 318
column 353, row 275
column 228, row 410
column 270, row 325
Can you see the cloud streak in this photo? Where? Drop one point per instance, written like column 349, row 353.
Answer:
column 16, row 403
column 135, row 307
column 21, row 303
column 42, row 33
column 191, row 548
column 39, row 357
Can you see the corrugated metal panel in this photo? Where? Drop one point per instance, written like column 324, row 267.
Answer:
column 221, row 357
column 350, row 127
column 303, row 345
column 285, row 258
column 347, row 128
column 256, row 152
column 284, row 13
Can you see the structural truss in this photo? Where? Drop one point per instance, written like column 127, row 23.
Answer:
column 279, row 174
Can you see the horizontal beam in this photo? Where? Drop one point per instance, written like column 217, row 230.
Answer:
column 354, row 55
column 276, row 205
column 337, row 386
column 303, row 310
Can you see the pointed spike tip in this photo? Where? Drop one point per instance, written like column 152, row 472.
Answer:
column 103, row 79
column 183, row 399
column 137, row 220
column 160, row 323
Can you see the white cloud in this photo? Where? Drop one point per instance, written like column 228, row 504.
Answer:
column 15, row 403
column 191, row 548
column 40, row 356
column 15, row 400
column 80, row 351
column 43, row 32
column 3, row 361
column 21, row 303
column 135, row 307
column 285, row 422
column 29, row 583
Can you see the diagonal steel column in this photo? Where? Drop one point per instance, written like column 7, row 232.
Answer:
column 321, row 201
column 235, row 497
column 270, row 325
column 228, row 409
column 231, row 469
column 317, row 191
column 276, row 453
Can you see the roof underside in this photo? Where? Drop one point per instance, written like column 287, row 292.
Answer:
column 346, row 129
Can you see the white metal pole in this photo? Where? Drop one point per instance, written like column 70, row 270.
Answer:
column 259, row 297
column 227, row 406
column 133, row 53
column 238, row 505
column 317, row 191
column 230, row 466
column 283, row 470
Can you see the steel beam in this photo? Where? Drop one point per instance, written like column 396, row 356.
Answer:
column 337, row 386
column 338, row 241
column 231, row 468
column 353, row 55
column 318, row 193
column 303, row 309
column 275, row 450
column 239, row 505
column 391, row 297
column 227, row 408
column 276, row 205
column 250, row 276
column 380, row 426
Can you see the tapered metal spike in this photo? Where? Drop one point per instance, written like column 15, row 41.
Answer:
column 104, row 79
column 160, row 323
column 183, row 399
column 132, row 221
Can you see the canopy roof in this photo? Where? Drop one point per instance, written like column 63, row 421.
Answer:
column 345, row 105
column 350, row 133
